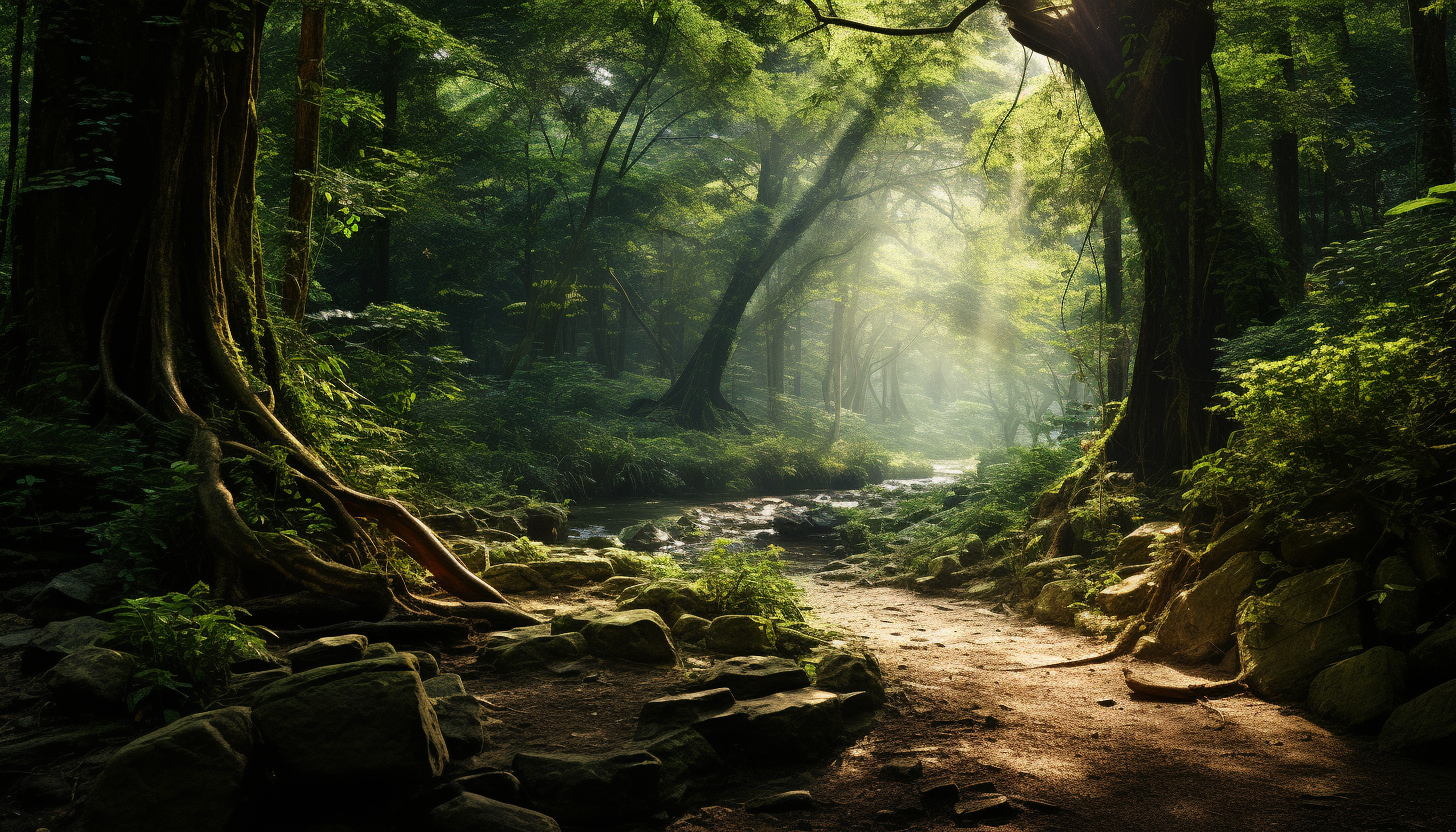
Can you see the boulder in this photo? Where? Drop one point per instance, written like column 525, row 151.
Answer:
column 627, row 564
column 1136, row 549
column 363, row 722
column 844, row 672
column 507, row 655
column 514, row 577
column 429, row 666
column 1430, row 553
column 1424, row 726
column 383, row 649
column 1054, row 603
column 943, row 572
column 446, row 684
column 73, row 593
column 795, row 801
column 1129, row 596
column 243, row 686
column 645, row 538
column 189, row 777
column 604, row 541
column 461, row 724
column 690, row 628
column 1399, row 612
column 1306, row 624
column 1199, row 625
column 59, row 638
column 496, row 785
column 687, row 760
column 973, row 551
column 795, row 724
column 1324, row 540
column 457, row 524
column 671, row 712
column 1252, row 535
column 1362, row 690
column 91, row 679
column 474, row 813
column 595, row 789
column 740, row 635
column 666, row 598
column 574, row 570
column 544, row 521
column 630, row 635
column 753, row 676
column 327, row 651
column 617, row 584
column 797, row 522
column 1433, row 660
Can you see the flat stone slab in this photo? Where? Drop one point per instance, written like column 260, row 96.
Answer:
column 750, row 677
column 682, row 710
column 797, row 724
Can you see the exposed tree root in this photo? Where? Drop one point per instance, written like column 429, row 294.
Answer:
column 1121, row 646
column 1186, row 692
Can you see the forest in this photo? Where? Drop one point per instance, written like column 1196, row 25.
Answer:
column 727, row 415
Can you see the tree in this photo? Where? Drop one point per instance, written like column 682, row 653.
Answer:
column 305, row 161
column 1433, row 91
column 1141, row 64
column 137, row 256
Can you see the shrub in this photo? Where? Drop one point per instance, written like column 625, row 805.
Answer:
column 746, row 582
column 520, row 550
column 185, row 644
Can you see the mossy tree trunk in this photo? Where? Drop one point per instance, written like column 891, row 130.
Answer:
column 137, row 255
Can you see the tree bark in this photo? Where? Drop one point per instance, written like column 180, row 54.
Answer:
column 774, row 366
column 1121, row 351
column 1284, row 153
column 152, row 274
column 307, row 107
column 381, row 288
column 1206, row 269
column 1433, row 94
column 17, row 56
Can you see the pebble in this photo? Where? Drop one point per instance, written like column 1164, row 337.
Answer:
column 1107, row 703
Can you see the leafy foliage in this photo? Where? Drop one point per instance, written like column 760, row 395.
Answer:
column 746, row 582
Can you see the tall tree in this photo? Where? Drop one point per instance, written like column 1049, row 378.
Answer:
column 148, row 270
column 1433, row 91
column 305, row 160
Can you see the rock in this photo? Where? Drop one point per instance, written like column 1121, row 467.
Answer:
column 740, row 635
column 690, row 628
column 630, row 635
column 595, row 789
column 1325, row 540
column 73, row 593
column 514, row 577
column 667, row 599
column 327, row 651
column 906, row 770
column 1252, row 535
column 844, row 672
column 599, row 541
column 243, row 686
column 507, row 655
column 496, row 785
column 462, row 525
column 973, row 551
column 1107, row 703
column 794, row 801
column 645, row 538
column 1199, row 625
column 1306, row 624
column 1130, row 596
column 461, row 725
column 38, row 791
column 1053, row 603
column 474, row 813
column 1433, row 660
column 575, row 620
column 1399, row 613
column 796, row 522
column 91, row 679
column 446, row 684
column 1429, row 554
column 429, row 666
column 1362, row 690
column 687, row 760
column 544, row 521
column 682, row 709
column 1136, row 549
column 939, row 790
column 943, row 572
column 381, row 650
column 749, row 677
column 617, row 584
column 1424, row 726
column 367, row 721
column 794, row 724
column 59, row 638
column 301, row 609
column 187, row 777
column 983, row 806
column 1096, row 624
column 574, row 570
column 18, row 638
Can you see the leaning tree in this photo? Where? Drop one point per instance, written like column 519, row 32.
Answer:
column 137, row 255
column 1206, row 271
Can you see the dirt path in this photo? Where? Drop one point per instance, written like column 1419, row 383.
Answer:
column 1235, row 763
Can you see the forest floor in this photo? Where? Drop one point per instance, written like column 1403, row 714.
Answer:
column 1135, row 764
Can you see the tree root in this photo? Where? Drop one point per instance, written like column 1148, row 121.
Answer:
column 1121, row 646
column 1186, row 692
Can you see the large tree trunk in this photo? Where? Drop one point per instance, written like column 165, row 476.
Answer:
column 17, row 56
column 1284, row 153
column 1140, row 62
column 1121, row 350
column 1433, row 93
column 153, row 276
column 697, row 394
column 305, row 161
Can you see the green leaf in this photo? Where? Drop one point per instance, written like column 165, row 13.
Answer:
column 1411, row 205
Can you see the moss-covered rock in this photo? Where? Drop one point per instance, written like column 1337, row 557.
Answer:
column 1361, row 690
column 1306, row 624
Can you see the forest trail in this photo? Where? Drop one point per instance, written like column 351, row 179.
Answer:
column 1232, row 763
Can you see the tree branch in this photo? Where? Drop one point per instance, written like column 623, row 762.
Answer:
column 834, row 20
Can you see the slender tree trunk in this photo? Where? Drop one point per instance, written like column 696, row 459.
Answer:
column 1206, row 271
column 1121, row 350
column 1433, row 94
column 154, row 279
column 834, row 374
column 774, row 365
column 17, row 71
column 798, row 353
column 381, row 289
column 305, row 161
column 1284, row 152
